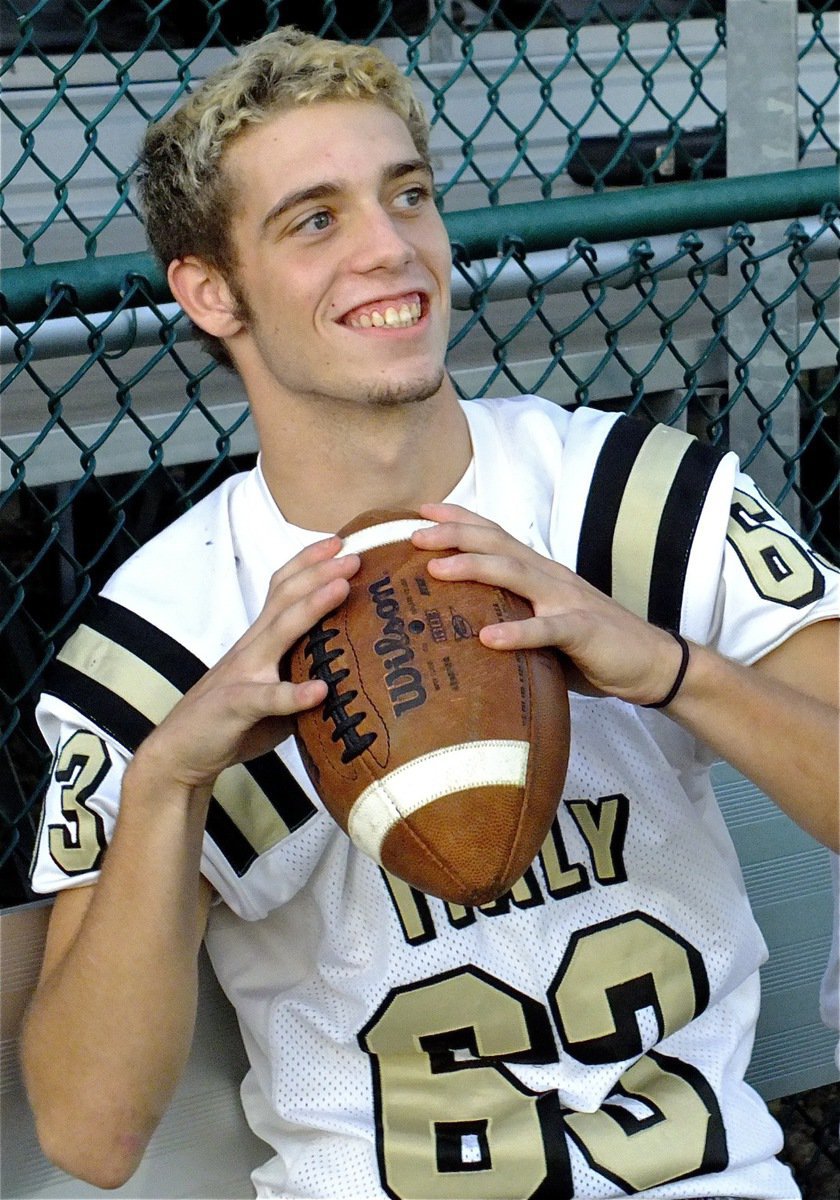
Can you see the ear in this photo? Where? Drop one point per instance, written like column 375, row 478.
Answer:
column 204, row 295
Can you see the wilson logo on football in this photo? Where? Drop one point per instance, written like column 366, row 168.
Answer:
column 404, row 682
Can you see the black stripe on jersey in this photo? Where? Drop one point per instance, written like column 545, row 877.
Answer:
column 645, row 499
column 615, row 462
column 183, row 669
column 117, row 718
column 229, row 838
column 140, row 637
column 110, row 711
column 129, row 727
column 677, row 528
column 125, row 675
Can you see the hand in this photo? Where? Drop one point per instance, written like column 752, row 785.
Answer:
column 611, row 651
column 242, row 708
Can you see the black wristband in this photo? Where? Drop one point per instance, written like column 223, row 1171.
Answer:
column 683, row 645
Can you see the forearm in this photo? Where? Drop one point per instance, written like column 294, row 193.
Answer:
column 116, row 1009
column 781, row 738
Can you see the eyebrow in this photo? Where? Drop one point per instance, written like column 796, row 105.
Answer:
column 328, row 189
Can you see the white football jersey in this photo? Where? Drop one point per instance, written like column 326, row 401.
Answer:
column 587, row 1034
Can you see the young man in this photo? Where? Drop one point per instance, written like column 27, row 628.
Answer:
column 587, row 1034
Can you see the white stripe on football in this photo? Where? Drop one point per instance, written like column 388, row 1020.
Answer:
column 386, row 534
column 403, row 791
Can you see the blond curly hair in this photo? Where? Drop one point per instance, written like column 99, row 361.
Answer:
column 185, row 194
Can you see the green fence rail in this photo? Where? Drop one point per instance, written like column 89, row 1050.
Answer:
column 96, row 284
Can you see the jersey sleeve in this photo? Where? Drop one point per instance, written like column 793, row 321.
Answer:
column 772, row 583
column 647, row 507
column 671, row 529
column 81, row 801
column 112, row 682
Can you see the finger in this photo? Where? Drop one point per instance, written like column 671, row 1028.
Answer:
column 530, row 633
column 565, row 623
column 539, row 633
column 308, row 569
column 308, row 694
column 250, row 701
column 284, row 625
column 288, row 590
column 454, row 513
column 558, row 632
column 259, row 701
column 311, row 578
column 316, row 562
column 317, row 551
column 480, row 536
column 522, row 574
column 286, row 698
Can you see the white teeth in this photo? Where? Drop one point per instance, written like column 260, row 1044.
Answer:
column 407, row 314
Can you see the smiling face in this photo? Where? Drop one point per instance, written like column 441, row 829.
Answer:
column 343, row 263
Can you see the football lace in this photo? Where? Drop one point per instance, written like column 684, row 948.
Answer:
column 334, row 707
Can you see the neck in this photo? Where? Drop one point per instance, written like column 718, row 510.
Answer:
column 325, row 464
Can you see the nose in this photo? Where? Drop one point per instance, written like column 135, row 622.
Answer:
column 380, row 242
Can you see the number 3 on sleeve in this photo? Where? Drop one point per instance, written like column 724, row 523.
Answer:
column 78, row 845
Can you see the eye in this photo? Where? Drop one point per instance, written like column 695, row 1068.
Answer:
column 413, row 197
column 316, row 223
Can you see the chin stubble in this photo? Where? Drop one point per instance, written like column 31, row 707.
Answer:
column 414, row 392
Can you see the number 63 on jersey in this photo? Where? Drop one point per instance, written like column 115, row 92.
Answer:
column 453, row 1121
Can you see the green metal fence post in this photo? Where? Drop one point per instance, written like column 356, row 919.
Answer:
column 763, row 138
column 440, row 35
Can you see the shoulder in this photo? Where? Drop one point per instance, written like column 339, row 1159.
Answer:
column 167, row 614
column 179, row 559
column 651, row 501
column 603, row 445
column 524, row 449
column 529, row 419
column 631, row 506
column 187, row 581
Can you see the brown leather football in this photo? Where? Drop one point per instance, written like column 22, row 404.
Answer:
column 442, row 759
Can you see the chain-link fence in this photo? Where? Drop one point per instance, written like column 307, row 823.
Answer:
column 691, row 298
column 660, row 325
column 528, row 97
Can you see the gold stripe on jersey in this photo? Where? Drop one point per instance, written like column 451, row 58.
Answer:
column 145, row 689
column 638, row 521
column 645, row 500
column 249, row 808
column 122, row 672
